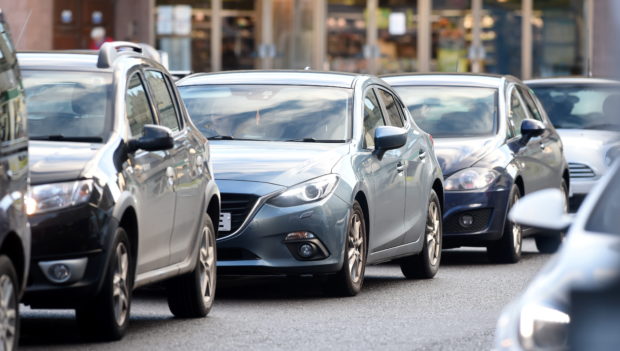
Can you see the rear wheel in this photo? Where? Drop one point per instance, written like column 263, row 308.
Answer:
column 9, row 306
column 107, row 315
column 425, row 264
column 508, row 248
column 191, row 295
column 549, row 243
column 349, row 280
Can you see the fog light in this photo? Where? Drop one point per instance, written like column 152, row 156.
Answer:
column 466, row 221
column 299, row 236
column 59, row 272
column 306, row 250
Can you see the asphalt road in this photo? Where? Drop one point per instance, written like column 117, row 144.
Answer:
column 455, row 311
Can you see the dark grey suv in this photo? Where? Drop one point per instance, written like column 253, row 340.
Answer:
column 14, row 231
column 122, row 193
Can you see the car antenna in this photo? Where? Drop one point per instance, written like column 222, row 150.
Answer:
column 21, row 33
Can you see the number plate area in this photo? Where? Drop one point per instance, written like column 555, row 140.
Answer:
column 224, row 222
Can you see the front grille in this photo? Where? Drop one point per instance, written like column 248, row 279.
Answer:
column 239, row 207
column 580, row 171
column 481, row 221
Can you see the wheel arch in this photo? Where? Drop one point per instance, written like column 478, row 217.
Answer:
column 360, row 197
column 213, row 210
column 12, row 247
column 566, row 177
column 519, row 183
column 438, row 187
column 129, row 222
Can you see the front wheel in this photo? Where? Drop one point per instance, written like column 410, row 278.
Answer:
column 349, row 280
column 191, row 295
column 9, row 306
column 549, row 243
column 107, row 315
column 508, row 248
column 426, row 264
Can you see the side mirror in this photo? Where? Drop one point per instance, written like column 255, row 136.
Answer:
column 544, row 209
column 532, row 128
column 388, row 138
column 154, row 138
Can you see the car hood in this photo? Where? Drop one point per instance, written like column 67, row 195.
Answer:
column 587, row 146
column 455, row 154
column 55, row 161
column 280, row 163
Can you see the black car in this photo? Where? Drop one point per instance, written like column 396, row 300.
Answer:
column 14, row 230
column 122, row 191
column 495, row 144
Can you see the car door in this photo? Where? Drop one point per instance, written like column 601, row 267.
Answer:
column 527, row 152
column 551, row 153
column 189, row 184
column 387, row 176
column 413, row 158
column 151, row 175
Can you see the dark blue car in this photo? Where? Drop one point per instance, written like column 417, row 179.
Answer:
column 495, row 144
column 320, row 173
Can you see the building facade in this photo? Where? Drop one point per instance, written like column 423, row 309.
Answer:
column 526, row 38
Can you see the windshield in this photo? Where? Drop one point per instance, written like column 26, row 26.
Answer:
column 583, row 106
column 452, row 112
column 66, row 105
column 270, row 112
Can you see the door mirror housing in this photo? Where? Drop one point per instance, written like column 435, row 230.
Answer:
column 154, row 138
column 389, row 138
column 532, row 128
column 544, row 209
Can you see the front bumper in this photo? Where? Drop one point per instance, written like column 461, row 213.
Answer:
column 259, row 248
column 581, row 186
column 78, row 232
column 486, row 208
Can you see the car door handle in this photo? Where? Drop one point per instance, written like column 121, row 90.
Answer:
column 542, row 146
column 422, row 154
column 400, row 167
column 171, row 175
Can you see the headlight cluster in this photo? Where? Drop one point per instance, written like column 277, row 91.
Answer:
column 542, row 327
column 612, row 154
column 473, row 178
column 48, row 197
column 310, row 191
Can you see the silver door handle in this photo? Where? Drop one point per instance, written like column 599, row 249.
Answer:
column 422, row 154
column 542, row 146
column 400, row 167
column 170, row 174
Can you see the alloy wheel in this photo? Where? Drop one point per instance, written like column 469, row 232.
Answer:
column 516, row 230
column 207, row 266
column 120, row 283
column 433, row 239
column 8, row 312
column 356, row 248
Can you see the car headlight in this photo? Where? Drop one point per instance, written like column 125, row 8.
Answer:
column 612, row 154
column 542, row 327
column 310, row 191
column 473, row 178
column 48, row 197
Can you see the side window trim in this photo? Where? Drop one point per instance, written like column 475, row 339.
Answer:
column 384, row 107
column 152, row 99
column 142, row 79
column 371, row 90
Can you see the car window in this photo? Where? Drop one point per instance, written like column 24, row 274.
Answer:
column 517, row 112
column 137, row 106
column 394, row 117
column 373, row 118
column 163, row 100
column 604, row 218
column 532, row 108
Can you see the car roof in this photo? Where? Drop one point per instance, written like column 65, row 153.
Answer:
column 81, row 60
column 283, row 77
column 458, row 79
column 570, row 81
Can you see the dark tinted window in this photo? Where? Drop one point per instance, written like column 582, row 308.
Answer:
column 394, row 117
column 163, row 100
column 605, row 217
column 581, row 106
column 532, row 108
column 373, row 118
column 66, row 103
column 137, row 106
column 517, row 112
column 270, row 112
column 452, row 111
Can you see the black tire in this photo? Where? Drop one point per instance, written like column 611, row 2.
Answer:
column 9, row 307
column 425, row 264
column 346, row 282
column 508, row 248
column 187, row 297
column 550, row 242
column 99, row 319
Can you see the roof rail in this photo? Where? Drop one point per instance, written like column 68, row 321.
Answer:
column 111, row 50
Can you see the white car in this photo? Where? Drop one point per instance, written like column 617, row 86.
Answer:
column 589, row 259
column 586, row 114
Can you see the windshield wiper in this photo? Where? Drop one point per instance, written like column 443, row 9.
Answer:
column 221, row 137
column 59, row 137
column 313, row 140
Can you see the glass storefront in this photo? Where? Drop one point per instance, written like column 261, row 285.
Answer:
column 375, row 36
